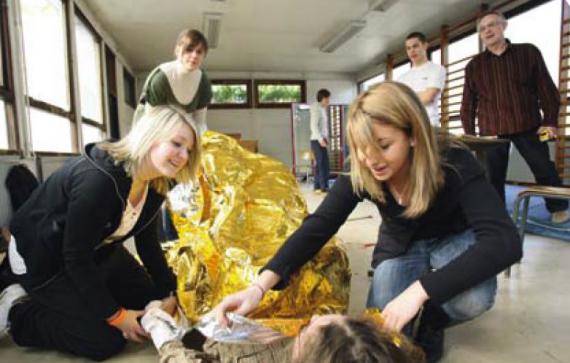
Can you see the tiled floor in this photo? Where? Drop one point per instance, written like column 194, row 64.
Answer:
column 530, row 322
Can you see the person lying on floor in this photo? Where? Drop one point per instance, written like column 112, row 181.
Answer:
column 326, row 339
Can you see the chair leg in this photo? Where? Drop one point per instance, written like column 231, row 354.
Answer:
column 515, row 216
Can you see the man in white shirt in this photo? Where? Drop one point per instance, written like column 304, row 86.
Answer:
column 425, row 78
column 319, row 139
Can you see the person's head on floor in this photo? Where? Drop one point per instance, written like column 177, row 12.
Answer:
column 161, row 146
column 491, row 26
column 416, row 45
column 191, row 48
column 342, row 339
column 324, row 97
column 392, row 141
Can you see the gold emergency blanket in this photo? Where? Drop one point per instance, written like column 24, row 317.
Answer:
column 233, row 222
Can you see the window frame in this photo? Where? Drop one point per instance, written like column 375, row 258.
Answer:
column 7, row 88
column 225, row 106
column 288, row 82
column 130, row 82
column 85, row 120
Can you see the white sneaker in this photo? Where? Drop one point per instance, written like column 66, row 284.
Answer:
column 560, row 217
column 7, row 299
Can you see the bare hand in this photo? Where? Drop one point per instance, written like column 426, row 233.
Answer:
column 169, row 305
column 402, row 309
column 241, row 303
column 131, row 328
column 551, row 131
column 323, row 142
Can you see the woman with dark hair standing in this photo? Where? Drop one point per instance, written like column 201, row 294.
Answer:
column 181, row 83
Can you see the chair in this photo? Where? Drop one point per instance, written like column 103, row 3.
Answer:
column 524, row 197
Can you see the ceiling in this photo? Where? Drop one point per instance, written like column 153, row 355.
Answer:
column 271, row 35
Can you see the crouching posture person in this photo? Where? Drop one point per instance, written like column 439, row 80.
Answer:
column 80, row 291
column 445, row 233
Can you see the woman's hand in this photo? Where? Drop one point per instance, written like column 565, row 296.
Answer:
column 131, row 328
column 242, row 302
column 402, row 309
column 169, row 305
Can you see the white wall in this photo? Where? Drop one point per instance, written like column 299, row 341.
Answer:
column 125, row 110
column 272, row 127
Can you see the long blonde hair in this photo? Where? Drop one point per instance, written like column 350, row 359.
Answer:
column 395, row 104
column 157, row 124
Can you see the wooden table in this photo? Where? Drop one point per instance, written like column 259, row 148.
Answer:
column 481, row 144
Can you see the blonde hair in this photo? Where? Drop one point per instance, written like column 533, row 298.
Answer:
column 157, row 124
column 395, row 104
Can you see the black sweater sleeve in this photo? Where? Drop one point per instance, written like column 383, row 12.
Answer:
column 497, row 244
column 86, row 216
column 315, row 231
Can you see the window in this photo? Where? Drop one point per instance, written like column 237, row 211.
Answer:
column 46, row 67
column 50, row 132
column 89, row 70
column 6, row 92
column 366, row 84
column 129, row 89
column 92, row 134
column 231, row 94
column 3, row 127
column 399, row 70
column 522, row 28
column 43, row 23
column 279, row 93
column 435, row 55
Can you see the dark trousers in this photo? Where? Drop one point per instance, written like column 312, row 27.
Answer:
column 536, row 155
column 322, row 167
column 56, row 316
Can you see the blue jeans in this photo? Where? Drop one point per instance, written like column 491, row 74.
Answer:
column 322, row 168
column 393, row 276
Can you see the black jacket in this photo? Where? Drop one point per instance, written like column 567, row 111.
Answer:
column 466, row 201
column 60, row 228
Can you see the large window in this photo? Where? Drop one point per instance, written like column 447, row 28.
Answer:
column 46, row 65
column 231, row 94
column 366, row 84
column 279, row 93
column 5, row 88
column 50, row 132
column 540, row 26
column 399, row 70
column 88, row 49
column 43, row 23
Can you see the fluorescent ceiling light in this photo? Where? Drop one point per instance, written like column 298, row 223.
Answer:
column 211, row 26
column 380, row 5
column 341, row 37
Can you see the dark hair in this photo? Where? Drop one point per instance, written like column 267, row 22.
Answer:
column 359, row 341
column 323, row 93
column 490, row 12
column 189, row 39
column 421, row 36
